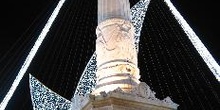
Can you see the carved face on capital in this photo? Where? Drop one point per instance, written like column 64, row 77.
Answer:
column 144, row 90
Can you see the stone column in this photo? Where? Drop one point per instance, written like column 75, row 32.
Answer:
column 115, row 48
column 118, row 86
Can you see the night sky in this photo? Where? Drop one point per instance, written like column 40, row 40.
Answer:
column 18, row 15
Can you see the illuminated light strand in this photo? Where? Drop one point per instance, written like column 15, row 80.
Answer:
column 31, row 56
column 202, row 50
column 87, row 78
column 44, row 98
column 176, row 55
column 137, row 18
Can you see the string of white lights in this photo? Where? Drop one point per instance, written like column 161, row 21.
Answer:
column 44, row 98
column 31, row 56
column 202, row 50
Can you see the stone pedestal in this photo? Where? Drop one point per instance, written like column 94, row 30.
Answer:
column 140, row 98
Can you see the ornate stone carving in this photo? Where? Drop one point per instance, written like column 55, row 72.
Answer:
column 116, row 55
column 115, row 41
column 79, row 101
column 144, row 91
column 141, row 93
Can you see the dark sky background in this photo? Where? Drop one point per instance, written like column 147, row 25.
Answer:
column 18, row 15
